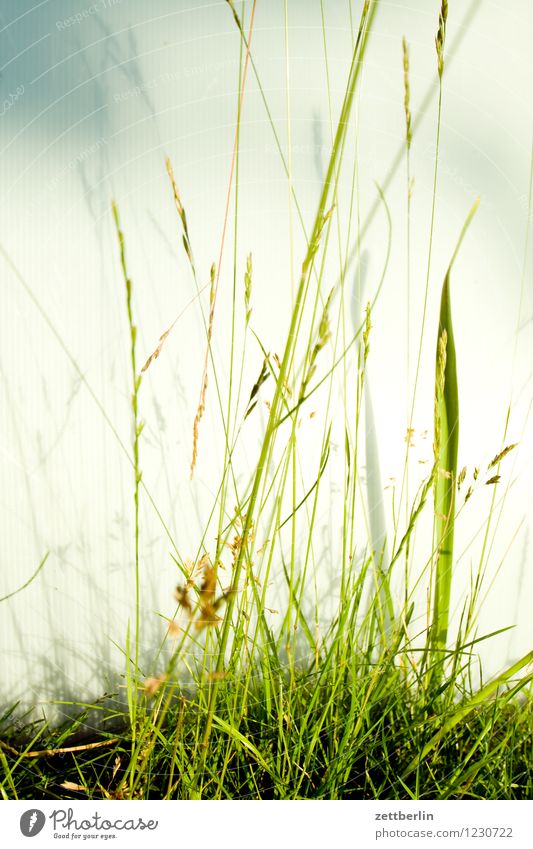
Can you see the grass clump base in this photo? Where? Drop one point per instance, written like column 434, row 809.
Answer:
column 292, row 747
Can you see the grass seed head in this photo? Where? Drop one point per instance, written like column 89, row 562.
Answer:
column 248, row 287
column 207, row 614
column 181, row 594
column 174, row 629
column 235, row 15
column 181, row 212
column 440, row 38
column 407, row 94
column 205, row 378
column 366, row 333
column 212, row 277
column 499, row 457
column 152, row 685
column 324, row 335
column 263, row 376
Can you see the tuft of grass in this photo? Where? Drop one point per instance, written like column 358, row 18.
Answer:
column 289, row 746
column 248, row 702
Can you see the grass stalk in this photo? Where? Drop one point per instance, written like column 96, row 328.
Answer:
column 365, row 25
column 138, row 425
column 478, row 699
column 446, row 443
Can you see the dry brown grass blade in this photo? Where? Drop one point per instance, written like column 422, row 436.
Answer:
column 153, row 685
column 157, row 351
column 75, row 788
column 40, row 753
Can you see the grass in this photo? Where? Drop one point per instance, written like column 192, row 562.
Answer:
column 446, row 446
column 290, row 744
column 383, row 698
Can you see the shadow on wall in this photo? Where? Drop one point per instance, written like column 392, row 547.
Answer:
column 67, row 460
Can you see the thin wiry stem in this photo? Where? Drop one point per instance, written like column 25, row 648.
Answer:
column 365, row 26
column 214, row 290
column 137, row 429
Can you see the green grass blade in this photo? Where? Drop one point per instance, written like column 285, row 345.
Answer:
column 327, row 194
column 446, row 444
column 29, row 581
column 462, row 712
column 446, row 448
column 243, row 741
